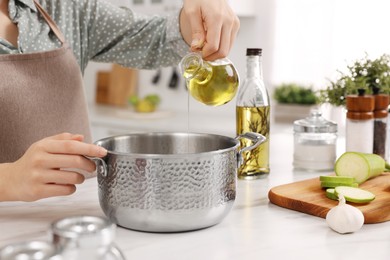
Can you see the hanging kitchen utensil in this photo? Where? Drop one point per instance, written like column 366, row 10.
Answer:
column 156, row 78
column 174, row 79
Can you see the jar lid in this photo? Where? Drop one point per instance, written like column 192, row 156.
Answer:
column 315, row 123
column 88, row 231
column 254, row 51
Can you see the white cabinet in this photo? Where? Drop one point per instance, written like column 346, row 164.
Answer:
column 243, row 8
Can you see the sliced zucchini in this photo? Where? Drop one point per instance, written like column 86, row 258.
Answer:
column 330, row 194
column 353, row 194
column 331, row 184
column 340, row 179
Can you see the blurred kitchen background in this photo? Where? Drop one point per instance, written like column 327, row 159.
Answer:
column 303, row 41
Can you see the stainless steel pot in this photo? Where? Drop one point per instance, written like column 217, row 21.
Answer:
column 169, row 182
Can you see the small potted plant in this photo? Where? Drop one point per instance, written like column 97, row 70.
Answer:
column 293, row 101
column 365, row 74
column 368, row 74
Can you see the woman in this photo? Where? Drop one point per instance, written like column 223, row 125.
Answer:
column 44, row 48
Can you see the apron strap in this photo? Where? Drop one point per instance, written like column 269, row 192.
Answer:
column 53, row 26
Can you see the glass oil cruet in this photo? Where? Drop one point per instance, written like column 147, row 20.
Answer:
column 253, row 115
column 212, row 83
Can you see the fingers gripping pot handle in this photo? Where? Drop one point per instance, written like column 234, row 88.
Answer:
column 256, row 139
column 101, row 165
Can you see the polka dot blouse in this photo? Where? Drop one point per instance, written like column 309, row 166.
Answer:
column 99, row 31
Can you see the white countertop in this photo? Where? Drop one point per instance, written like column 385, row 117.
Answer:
column 254, row 229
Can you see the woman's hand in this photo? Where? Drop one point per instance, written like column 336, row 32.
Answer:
column 40, row 173
column 210, row 26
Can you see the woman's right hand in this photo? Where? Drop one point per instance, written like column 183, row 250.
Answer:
column 41, row 171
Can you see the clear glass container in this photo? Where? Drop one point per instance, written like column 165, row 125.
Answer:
column 253, row 115
column 212, row 83
column 315, row 140
column 30, row 250
column 359, row 135
column 359, row 130
column 380, row 123
column 85, row 237
column 380, row 136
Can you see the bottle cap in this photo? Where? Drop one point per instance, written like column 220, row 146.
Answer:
column 315, row 123
column 254, row 52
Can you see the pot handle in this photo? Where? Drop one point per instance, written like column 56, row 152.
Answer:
column 101, row 166
column 256, row 138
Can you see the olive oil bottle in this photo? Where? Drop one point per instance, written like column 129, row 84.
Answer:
column 253, row 115
column 211, row 83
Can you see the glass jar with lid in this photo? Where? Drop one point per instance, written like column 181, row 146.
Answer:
column 85, row 237
column 30, row 250
column 315, row 141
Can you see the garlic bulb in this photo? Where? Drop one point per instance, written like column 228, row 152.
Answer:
column 344, row 218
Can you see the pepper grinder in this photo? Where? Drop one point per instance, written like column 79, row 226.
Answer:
column 380, row 123
column 360, row 122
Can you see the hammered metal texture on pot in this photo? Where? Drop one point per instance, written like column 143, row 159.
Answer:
column 169, row 192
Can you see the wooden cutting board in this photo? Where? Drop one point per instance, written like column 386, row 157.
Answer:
column 308, row 197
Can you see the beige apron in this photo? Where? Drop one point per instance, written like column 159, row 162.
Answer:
column 41, row 94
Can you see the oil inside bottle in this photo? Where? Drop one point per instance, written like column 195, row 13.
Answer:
column 256, row 161
column 211, row 83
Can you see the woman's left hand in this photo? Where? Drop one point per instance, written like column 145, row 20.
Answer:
column 210, row 26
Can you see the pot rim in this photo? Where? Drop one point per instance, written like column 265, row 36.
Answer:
column 174, row 155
